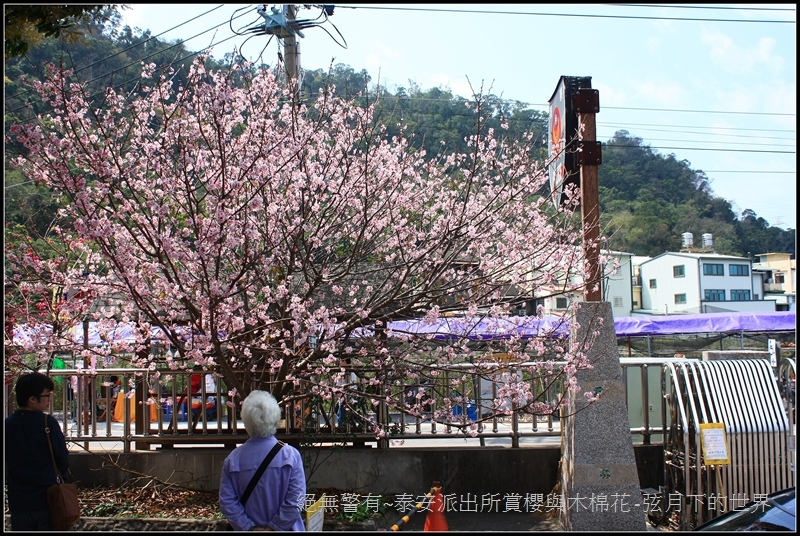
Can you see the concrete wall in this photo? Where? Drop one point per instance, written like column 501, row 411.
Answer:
column 365, row 470
column 717, row 355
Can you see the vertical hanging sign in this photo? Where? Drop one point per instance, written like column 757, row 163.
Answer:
column 562, row 137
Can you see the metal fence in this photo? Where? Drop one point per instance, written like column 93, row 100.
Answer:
column 158, row 408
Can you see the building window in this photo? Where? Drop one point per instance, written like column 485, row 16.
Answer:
column 532, row 306
column 679, row 271
column 713, row 269
column 739, row 269
column 652, row 283
column 561, row 303
column 715, row 295
column 680, row 298
column 779, row 278
column 740, row 295
column 617, row 301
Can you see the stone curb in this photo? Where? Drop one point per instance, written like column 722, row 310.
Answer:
column 141, row 524
column 158, row 524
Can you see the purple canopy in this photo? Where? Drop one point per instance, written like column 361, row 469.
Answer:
column 526, row 327
column 634, row 326
column 443, row 328
column 705, row 323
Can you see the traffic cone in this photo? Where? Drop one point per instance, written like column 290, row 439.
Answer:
column 435, row 522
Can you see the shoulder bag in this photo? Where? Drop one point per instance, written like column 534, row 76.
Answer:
column 62, row 497
column 257, row 476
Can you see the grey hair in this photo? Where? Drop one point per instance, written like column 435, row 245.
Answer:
column 261, row 414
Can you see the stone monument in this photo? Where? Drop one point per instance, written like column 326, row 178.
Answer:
column 599, row 480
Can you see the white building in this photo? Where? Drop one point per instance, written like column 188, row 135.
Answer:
column 616, row 289
column 686, row 282
column 780, row 278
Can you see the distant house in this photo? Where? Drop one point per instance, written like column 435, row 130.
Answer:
column 636, row 282
column 701, row 282
column 780, row 278
column 615, row 288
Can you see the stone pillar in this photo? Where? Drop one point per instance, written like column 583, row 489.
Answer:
column 599, row 481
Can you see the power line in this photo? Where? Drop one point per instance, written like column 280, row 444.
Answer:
column 749, row 144
column 698, row 111
column 684, row 6
column 528, row 104
column 761, row 172
column 150, row 39
column 547, row 106
column 696, row 149
column 155, row 53
column 707, row 127
column 417, row 9
column 540, row 14
column 131, row 47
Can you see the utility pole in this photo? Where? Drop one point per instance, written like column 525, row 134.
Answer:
column 291, row 53
column 575, row 157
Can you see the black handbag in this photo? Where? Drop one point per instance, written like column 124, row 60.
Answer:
column 257, row 476
column 62, row 497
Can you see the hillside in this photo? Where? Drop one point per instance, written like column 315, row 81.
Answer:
column 647, row 199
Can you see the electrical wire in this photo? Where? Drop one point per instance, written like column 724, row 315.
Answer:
column 685, row 6
column 324, row 17
column 577, row 15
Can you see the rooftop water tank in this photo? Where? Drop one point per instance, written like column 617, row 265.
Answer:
column 688, row 240
column 708, row 240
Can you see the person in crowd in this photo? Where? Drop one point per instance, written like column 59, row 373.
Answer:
column 211, row 402
column 108, row 395
column 116, row 385
column 277, row 500
column 348, row 384
column 195, row 382
column 192, row 391
column 29, row 466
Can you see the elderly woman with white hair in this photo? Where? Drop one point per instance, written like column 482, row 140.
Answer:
column 271, row 469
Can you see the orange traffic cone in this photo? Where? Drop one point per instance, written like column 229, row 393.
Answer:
column 435, row 522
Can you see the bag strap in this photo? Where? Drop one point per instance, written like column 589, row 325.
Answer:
column 260, row 471
column 50, row 444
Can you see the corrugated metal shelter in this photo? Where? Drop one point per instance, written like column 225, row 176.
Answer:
column 744, row 397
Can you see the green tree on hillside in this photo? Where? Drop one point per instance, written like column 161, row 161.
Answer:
column 638, row 186
column 30, row 25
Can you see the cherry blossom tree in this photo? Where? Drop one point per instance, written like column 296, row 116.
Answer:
column 45, row 296
column 274, row 241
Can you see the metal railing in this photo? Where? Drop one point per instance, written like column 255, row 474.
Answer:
column 156, row 408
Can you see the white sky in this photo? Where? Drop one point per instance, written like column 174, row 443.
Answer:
column 721, row 95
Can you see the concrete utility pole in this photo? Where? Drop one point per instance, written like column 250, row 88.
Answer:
column 291, row 53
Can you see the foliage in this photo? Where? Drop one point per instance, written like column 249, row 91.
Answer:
column 648, row 201
column 265, row 236
column 272, row 241
column 639, row 188
column 45, row 290
column 27, row 25
column 363, row 510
